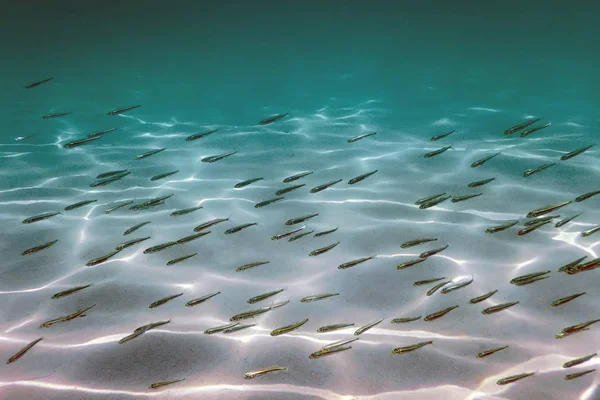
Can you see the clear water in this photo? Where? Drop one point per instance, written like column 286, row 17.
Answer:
column 408, row 71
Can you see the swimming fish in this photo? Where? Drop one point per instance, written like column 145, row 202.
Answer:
column 325, row 232
column 164, row 383
column 428, row 199
column 567, row 299
column 438, row 137
column 433, row 252
column 247, row 182
column 107, row 181
column 439, row 314
column 263, row 296
column 70, row 317
column 40, row 217
column 436, row 152
column 537, row 128
column 416, row 242
column 130, row 243
column 180, row 259
column 300, row 236
column 483, row 297
column 185, row 211
column 288, row 328
column 210, row 223
column 164, row 300
column 163, row 175
column 405, row 320
column 110, row 174
column 412, row 347
column 40, row 247
column 457, row 199
column 160, row 247
column 135, row 228
column 480, row 183
column 115, row 208
column 335, row 327
column 365, row 328
column 575, row 152
column 328, row 352
column 263, row 371
column 324, row 186
column 590, row 231
column 576, row 375
column 339, row 343
column 361, row 177
column 513, row 378
column 323, row 249
column 239, row 228
column 56, row 115
column 565, row 221
column 357, row 138
column 189, row 238
column 483, row 160
column 490, row 352
column 531, row 228
column 353, row 263
column 456, row 286
column 200, row 300
column 272, row 119
column 286, row 234
column 22, row 352
column 499, row 307
column 149, row 153
column 437, row 287
column 200, row 135
column 79, row 142
column 212, row 159
column 572, row 264
column 122, row 110
column 101, row 133
column 433, row 202
column 238, row 328
column 267, row 202
column 586, row 196
column 69, row 291
column 38, row 83
column 251, row 265
column 527, row 277
column 410, row 263
column 539, row 220
column 428, row 281
column 296, row 177
column 101, row 259
column 579, row 327
column 299, row 220
column 535, row 170
column 520, row 126
column 78, row 205
column 547, row 209
column 316, row 297
column 220, row 328
column 288, row 189
column 578, row 361
column 499, row 228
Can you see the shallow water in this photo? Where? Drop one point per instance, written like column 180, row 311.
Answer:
column 404, row 71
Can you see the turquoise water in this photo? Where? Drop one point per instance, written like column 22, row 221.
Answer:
column 405, row 70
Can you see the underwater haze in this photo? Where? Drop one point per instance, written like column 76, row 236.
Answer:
column 343, row 95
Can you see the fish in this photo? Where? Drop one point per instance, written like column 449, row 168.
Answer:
column 322, row 250
column 353, row 263
column 457, row 199
column 578, row 361
column 324, row 186
column 532, row 275
column 180, row 259
column 436, row 152
column 416, row 242
column 535, row 170
column 437, row 287
column 220, row 328
column 187, row 239
column 530, row 281
column 164, row 300
column 433, row 202
column 247, row 182
column 433, row 252
column 239, row 228
column 365, row 328
column 588, row 266
column 483, row 160
column 572, row 264
column 164, row 383
column 40, row 217
column 20, row 138
column 288, row 189
column 576, row 375
column 513, row 378
column 114, row 208
column 490, row 351
column 590, row 231
column 537, row 128
column 547, row 209
column 286, row 234
column 412, row 347
column 263, row 296
column 299, row 220
column 130, row 243
column 40, row 247
column 251, row 265
column 438, row 137
column 483, row 297
column 565, row 221
column 296, row 177
column 101, row 133
column 586, row 196
column 163, row 175
column 195, row 302
column 79, row 142
column 567, row 299
column 152, row 202
column 80, row 204
column 22, row 352
column 499, row 307
column 439, row 314
column 152, row 325
column 428, row 281
column 339, row 343
column 410, row 263
column 69, row 291
column 102, row 259
column 325, row 232
column 456, row 286
column 503, row 227
column 579, row 327
column 316, row 297
column 135, row 228
column 405, row 320
column 272, row 119
column 250, row 314
column 574, row 153
column 267, row 202
column 328, row 352
column 288, row 328
column 428, row 199
column 263, row 371
column 539, row 220
column 335, row 327
column 38, row 83
column 520, row 126
column 159, row 247
column 480, row 183
column 56, row 115
column 357, row 138
column 185, row 211
column 531, row 228
column 70, row 317
column 238, row 328
column 361, row 177
column 200, row 135
column 122, row 110
column 210, row 223
column 110, row 174
column 212, row 159
column 300, row 236
column 149, row 153
column 105, row 182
